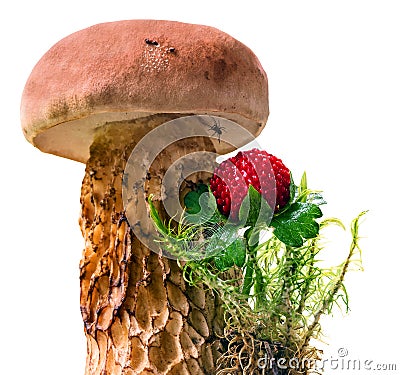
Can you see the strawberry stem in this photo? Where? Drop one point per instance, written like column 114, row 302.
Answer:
column 251, row 266
column 248, row 277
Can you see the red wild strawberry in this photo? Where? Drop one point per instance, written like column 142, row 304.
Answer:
column 265, row 172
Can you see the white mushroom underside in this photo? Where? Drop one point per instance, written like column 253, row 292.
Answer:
column 72, row 139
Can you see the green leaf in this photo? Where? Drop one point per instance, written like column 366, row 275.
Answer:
column 158, row 223
column 303, row 182
column 210, row 213
column 303, row 191
column 234, row 254
column 297, row 223
column 316, row 198
column 254, row 209
column 305, row 195
column 191, row 201
column 201, row 206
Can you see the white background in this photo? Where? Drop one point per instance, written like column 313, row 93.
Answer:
column 334, row 75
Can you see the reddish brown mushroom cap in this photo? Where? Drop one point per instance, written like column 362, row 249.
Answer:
column 129, row 69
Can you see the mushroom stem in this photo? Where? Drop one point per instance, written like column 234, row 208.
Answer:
column 140, row 316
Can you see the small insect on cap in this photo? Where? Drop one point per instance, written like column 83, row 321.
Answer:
column 121, row 71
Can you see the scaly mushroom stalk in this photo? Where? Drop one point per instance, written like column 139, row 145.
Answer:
column 92, row 98
column 140, row 315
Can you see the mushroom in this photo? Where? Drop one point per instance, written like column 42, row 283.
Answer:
column 92, row 98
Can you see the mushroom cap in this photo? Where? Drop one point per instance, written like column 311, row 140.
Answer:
column 125, row 70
